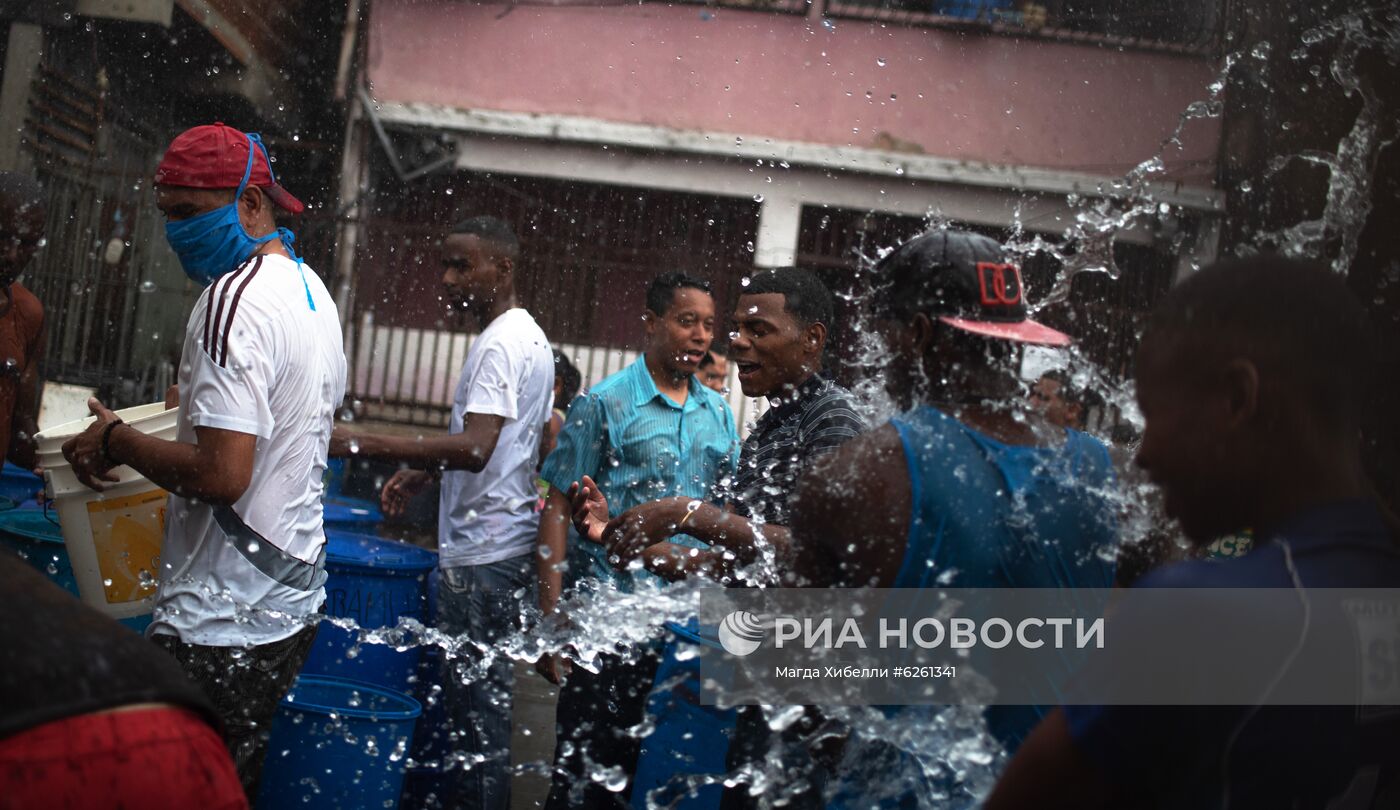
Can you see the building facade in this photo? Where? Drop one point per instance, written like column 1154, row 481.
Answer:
column 624, row 140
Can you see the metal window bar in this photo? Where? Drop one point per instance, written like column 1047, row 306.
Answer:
column 1193, row 26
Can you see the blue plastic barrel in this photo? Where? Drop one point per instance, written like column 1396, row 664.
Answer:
column 689, row 738
column 374, row 582
column 37, row 539
column 18, row 484
column 352, row 515
column 334, row 478
column 337, row 742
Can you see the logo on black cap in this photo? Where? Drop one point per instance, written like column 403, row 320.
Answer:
column 1000, row 283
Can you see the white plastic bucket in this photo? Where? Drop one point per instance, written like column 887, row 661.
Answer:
column 114, row 536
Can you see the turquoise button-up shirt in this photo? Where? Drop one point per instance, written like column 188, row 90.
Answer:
column 639, row 445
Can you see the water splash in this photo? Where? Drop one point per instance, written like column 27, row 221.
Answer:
column 1086, row 246
column 1351, row 168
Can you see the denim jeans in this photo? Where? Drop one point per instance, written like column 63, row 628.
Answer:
column 484, row 603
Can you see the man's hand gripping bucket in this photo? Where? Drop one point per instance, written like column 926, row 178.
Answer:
column 113, row 537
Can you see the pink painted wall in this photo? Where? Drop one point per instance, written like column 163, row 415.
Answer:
column 963, row 96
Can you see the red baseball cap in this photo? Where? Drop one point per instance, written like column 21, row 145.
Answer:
column 215, row 156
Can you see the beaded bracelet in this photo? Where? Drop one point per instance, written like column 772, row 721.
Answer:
column 107, row 440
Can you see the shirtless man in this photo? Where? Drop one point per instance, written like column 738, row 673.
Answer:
column 21, row 317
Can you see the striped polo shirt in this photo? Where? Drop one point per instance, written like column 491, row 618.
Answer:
column 639, row 445
column 794, row 432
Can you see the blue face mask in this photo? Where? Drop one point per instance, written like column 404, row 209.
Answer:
column 214, row 242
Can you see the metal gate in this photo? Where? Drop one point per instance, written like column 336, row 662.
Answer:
column 114, row 299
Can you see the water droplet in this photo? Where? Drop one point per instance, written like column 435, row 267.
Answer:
column 880, row 61
column 147, row 286
column 614, row 779
column 758, row 198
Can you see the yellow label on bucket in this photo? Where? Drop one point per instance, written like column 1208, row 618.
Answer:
column 127, row 533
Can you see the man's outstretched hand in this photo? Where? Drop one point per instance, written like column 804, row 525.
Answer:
column 84, row 451
column 590, row 509
column 400, row 490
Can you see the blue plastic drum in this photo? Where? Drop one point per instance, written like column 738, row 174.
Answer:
column 689, row 739
column 352, row 515
column 336, row 742
column 34, row 538
column 37, row 539
column 18, row 484
column 374, row 582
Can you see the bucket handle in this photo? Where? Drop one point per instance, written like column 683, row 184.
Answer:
column 46, row 502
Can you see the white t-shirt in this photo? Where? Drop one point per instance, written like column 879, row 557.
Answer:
column 264, row 356
column 489, row 516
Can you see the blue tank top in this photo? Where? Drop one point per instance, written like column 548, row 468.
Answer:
column 992, row 515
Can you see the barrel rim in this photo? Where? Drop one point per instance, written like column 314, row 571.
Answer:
column 427, row 559
column 8, row 518
column 411, row 710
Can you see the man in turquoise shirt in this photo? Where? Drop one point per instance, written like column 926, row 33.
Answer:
column 649, row 431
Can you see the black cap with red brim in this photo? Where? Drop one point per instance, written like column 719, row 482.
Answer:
column 966, row 281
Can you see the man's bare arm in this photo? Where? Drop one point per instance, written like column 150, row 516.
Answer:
column 469, row 450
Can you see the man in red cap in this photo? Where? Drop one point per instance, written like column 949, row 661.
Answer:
column 262, row 372
column 970, row 487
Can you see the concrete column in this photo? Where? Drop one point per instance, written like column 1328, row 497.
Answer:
column 353, row 184
column 779, row 220
column 22, row 55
